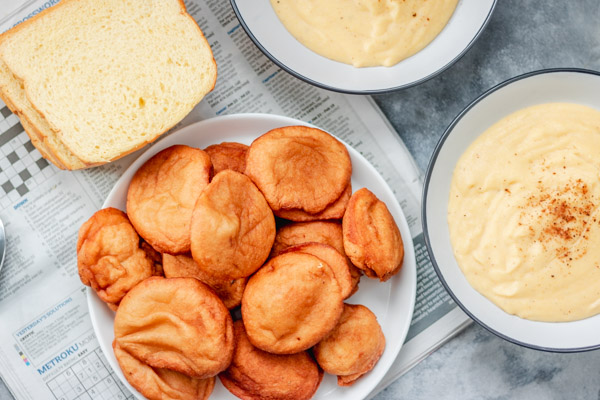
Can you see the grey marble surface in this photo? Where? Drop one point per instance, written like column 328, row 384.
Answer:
column 522, row 36
column 4, row 393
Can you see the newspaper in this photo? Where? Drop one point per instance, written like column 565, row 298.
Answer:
column 48, row 349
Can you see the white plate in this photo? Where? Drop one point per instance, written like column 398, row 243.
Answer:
column 268, row 33
column 561, row 85
column 392, row 301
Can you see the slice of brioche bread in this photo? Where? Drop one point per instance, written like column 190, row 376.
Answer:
column 35, row 139
column 11, row 90
column 103, row 78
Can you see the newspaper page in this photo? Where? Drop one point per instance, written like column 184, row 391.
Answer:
column 48, row 349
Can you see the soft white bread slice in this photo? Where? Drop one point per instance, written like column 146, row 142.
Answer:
column 107, row 77
column 35, row 139
column 11, row 90
column 38, row 129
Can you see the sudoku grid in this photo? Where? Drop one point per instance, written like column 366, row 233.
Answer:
column 89, row 378
column 21, row 165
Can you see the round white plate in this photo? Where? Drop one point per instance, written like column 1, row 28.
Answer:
column 268, row 33
column 392, row 301
column 547, row 86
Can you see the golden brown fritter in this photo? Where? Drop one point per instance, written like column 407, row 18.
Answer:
column 230, row 291
column 233, row 227
column 298, row 167
column 371, row 237
column 162, row 195
column 291, row 303
column 333, row 211
column 160, row 383
column 155, row 256
column 327, row 232
column 228, row 155
column 255, row 374
column 109, row 257
column 355, row 275
column 353, row 347
column 333, row 258
column 177, row 324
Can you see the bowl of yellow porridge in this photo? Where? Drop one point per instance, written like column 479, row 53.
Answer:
column 363, row 46
column 511, row 210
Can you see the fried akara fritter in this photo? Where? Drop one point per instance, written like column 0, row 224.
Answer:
column 161, row 383
column 232, row 227
column 298, row 167
column 162, row 195
column 228, row 155
column 353, row 347
column 109, row 257
column 333, row 258
column 333, row 211
column 255, row 374
column 181, row 266
column 177, row 324
column 371, row 237
column 172, row 335
column 327, row 232
column 291, row 303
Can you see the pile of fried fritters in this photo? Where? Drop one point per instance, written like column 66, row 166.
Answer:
column 201, row 237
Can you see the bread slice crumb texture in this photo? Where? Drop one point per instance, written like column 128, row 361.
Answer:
column 42, row 137
column 111, row 76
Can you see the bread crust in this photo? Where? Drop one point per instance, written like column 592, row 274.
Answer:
column 38, row 138
column 70, row 157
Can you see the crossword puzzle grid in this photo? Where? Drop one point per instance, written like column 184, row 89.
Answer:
column 89, row 379
column 21, row 165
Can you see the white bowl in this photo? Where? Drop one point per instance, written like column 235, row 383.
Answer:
column 555, row 85
column 268, row 33
column 392, row 301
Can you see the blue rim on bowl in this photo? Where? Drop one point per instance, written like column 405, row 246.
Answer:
column 426, row 228
column 348, row 91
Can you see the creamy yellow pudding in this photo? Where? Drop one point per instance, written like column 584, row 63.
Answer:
column 524, row 213
column 365, row 33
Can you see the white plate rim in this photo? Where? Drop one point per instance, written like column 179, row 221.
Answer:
column 388, row 89
column 425, row 199
column 407, row 273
